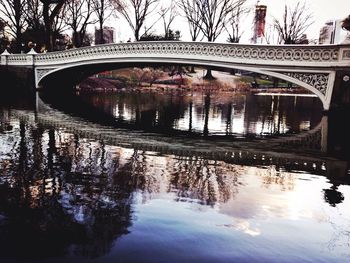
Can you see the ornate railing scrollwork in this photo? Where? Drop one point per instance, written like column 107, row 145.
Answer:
column 238, row 53
column 41, row 72
column 234, row 51
column 346, row 54
column 317, row 80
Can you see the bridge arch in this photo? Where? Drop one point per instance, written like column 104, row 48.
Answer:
column 97, row 66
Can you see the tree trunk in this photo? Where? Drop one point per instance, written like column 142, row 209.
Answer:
column 208, row 75
column 19, row 39
column 137, row 34
column 102, row 41
column 77, row 39
column 48, row 21
column 48, row 27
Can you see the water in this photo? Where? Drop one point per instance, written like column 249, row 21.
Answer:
column 218, row 113
column 120, row 189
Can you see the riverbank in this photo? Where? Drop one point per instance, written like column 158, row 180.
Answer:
column 144, row 80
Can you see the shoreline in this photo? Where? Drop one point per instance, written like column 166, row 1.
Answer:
column 191, row 88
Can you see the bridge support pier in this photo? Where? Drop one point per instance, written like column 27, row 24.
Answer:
column 341, row 90
column 19, row 78
column 338, row 142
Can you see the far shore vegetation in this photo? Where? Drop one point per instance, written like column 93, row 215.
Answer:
column 177, row 77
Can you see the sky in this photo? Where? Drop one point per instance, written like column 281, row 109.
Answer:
column 322, row 11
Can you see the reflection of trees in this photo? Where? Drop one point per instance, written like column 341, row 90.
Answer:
column 32, row 210
column 278, row 115
column 161, row 112
column 64, row 191
column 337, row 173
column 59, row 194
column 274, row 176
column 200, row 179
column 144, row 110
column 332, row 196
column 78, row 173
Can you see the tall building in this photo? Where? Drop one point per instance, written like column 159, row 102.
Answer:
column 259, row 24
column 108, row 35
column 330, row 33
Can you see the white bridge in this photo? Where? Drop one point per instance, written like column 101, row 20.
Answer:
column 316, row 68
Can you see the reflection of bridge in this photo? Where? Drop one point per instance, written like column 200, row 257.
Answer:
column 324, row 70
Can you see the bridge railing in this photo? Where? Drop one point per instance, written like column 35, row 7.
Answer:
column 284, row 55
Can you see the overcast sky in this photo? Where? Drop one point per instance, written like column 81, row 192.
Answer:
column 322, row 11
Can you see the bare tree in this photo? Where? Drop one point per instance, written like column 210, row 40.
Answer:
column 271, row 36
column 34, row 14
column 2, row 25
column 214, row 14
column 193, row 15
column 78, row 17
column 296, row 20
column 135, row 13
column 3, row 38
column 13, row 13
column 346, row 23
column 168, row 15
column 36, row 30
column 51, row 9
column 59, row 24
column 103, row 10
column 233, row 25
column 346, row 26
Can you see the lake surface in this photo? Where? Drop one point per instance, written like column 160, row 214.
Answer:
column 159, row 177
column 217, row 113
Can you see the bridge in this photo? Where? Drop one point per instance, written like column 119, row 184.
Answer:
column 322, row 69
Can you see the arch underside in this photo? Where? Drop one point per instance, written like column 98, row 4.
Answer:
column 319, row 82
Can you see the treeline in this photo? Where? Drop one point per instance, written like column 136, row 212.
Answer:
column 43, row 23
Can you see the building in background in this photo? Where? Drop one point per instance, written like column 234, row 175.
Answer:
column 330, row 33
column 108, row 35
column 259, row 24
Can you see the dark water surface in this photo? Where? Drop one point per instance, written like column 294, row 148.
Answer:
column 217, row 113
column 75, row 190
